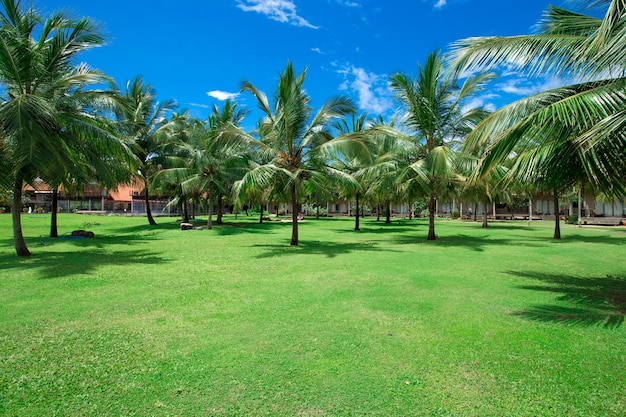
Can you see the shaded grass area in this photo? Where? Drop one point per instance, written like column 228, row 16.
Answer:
column 234, row 322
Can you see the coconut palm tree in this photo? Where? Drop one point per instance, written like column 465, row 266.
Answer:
column 588, row 114
column 42, row 127
column 295, row 139
column 435, row 116
column 142, row 119
column 353, row 164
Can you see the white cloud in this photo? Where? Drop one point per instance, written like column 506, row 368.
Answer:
column 348, row 3
column 371, row 89
column 283, row 11
column 202, row 106
column 526, row 87
column 222, row 95
column 440, row 4
column 480, row 102
column 318, row 50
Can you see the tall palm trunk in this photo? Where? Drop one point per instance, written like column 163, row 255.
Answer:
column 356, row 220
column 146, row 192
column 209, row 221
column 486, row 205
column 388, row 214
column 261, row 215
column 557, row 223
column 294, row 216
column 378, row 212
column 185, row 206
column 317, row 210
column 475, row 210
column 54, row 230
column 16, row 214
column 220, row 209
column 432, row 206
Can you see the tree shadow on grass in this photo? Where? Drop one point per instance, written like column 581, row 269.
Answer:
column 328, row 249
column 53, row 264
column 592, row 300
column 471, row 242
column 228, row 229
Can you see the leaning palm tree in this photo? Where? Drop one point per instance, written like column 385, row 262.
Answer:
column 435, row 116
column 39, row 78
column 588, row 114
column 294, row 138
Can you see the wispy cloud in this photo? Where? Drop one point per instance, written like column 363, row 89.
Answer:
column 372, row 90
column 440, row 4
column 318, row 50
column 202, row 106
column 280, row 10
column 526, row 87
column 349, row 3
column 222, row 95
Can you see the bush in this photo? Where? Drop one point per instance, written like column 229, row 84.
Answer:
column 571, row 219
column 456, row 214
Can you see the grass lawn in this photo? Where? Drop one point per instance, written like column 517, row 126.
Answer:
column 154, row 321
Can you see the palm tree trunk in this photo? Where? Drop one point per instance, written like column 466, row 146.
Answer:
column 317, row 211
column 54, row 230
column 261, row 215
column 388, row 214
column 16, row 214
column 486, row 205
column 185, row 207
column 378, row 212
column 432, row 206
column 220, row 209
column 475, row 210
column 557, row 223
column 209, row 221
column 146, row 192
column 294, row 216
column 356, row 219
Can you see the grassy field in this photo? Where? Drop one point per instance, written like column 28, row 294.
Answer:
column 154, row 321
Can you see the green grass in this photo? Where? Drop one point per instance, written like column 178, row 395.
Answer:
column 154, row 321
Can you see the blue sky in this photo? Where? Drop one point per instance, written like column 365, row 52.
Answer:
column 199, row 51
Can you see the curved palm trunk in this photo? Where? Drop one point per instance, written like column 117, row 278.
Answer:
column 16, row 214
column 209, row 221
column 432, row 206
column 557, row 223
column 356, row 217
column 485, row 224
column 146, row 192
column 294, row 217
column 54, row 230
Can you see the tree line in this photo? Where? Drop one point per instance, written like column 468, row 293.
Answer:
column 58, row 123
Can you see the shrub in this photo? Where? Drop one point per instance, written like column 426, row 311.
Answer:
column 571, row 219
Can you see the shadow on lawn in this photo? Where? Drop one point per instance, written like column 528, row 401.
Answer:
column 592, row 301
column 471, row 242
column 329, row 249
column 53, row 264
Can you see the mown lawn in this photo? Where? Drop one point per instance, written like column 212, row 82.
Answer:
column 154, row 321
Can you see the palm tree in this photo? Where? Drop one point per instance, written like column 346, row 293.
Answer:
column 353, row 164
column 434, row 114
column 142, row 118
column 39, row 80
column 587, row 117
column 294, row 138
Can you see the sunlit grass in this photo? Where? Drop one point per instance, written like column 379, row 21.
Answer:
column 234, row 322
